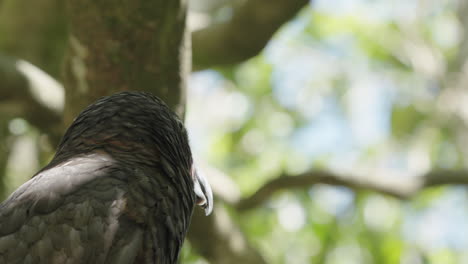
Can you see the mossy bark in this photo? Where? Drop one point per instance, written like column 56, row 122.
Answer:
column 125, row 45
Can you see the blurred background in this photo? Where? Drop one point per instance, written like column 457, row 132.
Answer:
column 372, row 93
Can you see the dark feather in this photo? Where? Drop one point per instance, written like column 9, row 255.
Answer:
column 119, row 190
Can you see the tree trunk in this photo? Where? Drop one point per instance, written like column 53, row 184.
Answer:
column 130, row 45
column 140, row 45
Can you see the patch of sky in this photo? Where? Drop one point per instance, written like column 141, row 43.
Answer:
column 328, row 133
column 373, row 10
column 442, row 225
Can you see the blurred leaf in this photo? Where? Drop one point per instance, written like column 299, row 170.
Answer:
column 427, row 197
column 405, row 120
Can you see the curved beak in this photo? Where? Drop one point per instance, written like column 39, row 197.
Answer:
column 203, row 192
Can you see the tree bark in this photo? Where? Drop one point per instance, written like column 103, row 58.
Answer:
column 34, row 31
column 244, row 35
column 140, row 45
column 131, row 45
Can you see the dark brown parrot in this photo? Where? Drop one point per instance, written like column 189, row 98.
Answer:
column 120, row 189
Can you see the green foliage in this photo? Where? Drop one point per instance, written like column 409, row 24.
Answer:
column 333, row 67
column 405, row 120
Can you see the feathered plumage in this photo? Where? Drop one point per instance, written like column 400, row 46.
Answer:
column 120, row 189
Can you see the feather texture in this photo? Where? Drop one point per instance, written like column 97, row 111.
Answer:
column 119, row 190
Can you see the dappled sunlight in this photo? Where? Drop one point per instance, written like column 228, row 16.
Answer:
column 333, row 200
column 381, row 213
column 291, row 215
column 47, row 91
column 350, row 253
column 23, row 160
column 355, row 87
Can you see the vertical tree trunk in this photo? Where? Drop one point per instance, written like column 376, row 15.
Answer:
column 126, row 45
column 140, row 45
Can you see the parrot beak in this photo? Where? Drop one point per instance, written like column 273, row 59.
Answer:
column 203, row 192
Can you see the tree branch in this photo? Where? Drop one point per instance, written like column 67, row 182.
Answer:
column 28, row 92
column 227, row 243
column 244, row 35
column 400, row 187
column 217, row 238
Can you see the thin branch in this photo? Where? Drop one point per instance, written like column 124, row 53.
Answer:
column 244, row 35
column 442, row 177
column 401, row 187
